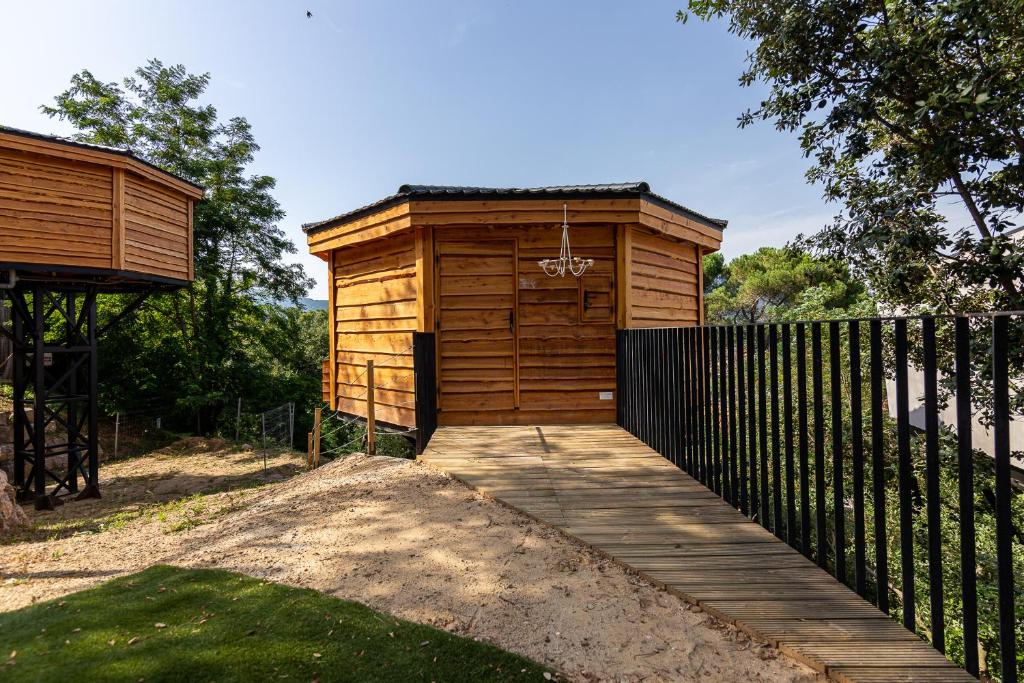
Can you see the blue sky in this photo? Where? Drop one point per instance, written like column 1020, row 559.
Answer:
column 366, row 96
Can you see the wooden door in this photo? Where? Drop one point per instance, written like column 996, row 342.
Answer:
column 477, row 331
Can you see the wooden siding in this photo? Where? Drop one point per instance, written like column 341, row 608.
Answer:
column 156, row 229
column 375, row 305
column 325, row 380
column 60, row 211
column 54, row 211
column 564, row 332
column 665, row 221
column 663, row 281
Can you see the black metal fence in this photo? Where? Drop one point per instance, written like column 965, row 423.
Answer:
column 793, row 424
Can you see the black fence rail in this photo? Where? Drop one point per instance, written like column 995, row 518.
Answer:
column 808, row 429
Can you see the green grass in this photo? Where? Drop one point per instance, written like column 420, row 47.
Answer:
column 171, row 624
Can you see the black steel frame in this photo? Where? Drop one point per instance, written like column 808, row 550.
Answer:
column 54, row 378
column 707, row 398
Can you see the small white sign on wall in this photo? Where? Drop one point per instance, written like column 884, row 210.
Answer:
column 604, row 395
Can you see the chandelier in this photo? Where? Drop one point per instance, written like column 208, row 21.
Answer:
column 566, row 262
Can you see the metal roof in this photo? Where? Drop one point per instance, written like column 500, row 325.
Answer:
column 120, row 151
column 461, row 192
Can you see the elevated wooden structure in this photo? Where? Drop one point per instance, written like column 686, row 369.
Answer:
column 606, row 488
column 75, row 220
column 77, row 212
column 513, row 346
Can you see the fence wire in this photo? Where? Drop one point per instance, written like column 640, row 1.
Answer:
column 135, row 432
column 278, row 425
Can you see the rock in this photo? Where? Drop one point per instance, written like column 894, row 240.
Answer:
column 11, row 514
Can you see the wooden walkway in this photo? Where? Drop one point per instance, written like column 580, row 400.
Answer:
column 609, row 490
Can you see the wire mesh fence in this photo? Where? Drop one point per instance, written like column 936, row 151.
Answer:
column 131, row 433
column 277, row 426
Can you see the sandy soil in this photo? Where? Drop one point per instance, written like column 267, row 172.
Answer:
column 396, row 535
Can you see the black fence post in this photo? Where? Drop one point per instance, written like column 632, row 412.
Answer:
column 801, row 401
column 965, row 462
column 741, row 421
column 425, row 386
column 878, row 479
column 931, row 420
column 734, row 490
column 838, row 498
column 787, row 418
column 778, row 526
column 906, row 476
column 857, row 448
column 752, row 420
column 762, row 409
column 821, row 526
column 1004, row 523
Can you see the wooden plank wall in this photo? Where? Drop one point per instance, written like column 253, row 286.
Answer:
column 64, row 212
column 663, row 280
column 54, row 211
column 156, row 228
column 566, row 356
column 375, row 315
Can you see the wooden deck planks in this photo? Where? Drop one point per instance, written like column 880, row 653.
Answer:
column 606, row 488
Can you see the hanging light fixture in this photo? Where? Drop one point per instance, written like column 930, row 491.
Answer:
column 565, row 262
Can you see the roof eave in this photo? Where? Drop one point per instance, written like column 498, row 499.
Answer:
column 397, row 199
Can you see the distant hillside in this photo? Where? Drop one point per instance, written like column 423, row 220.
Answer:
column 304, row 302
column 313, row 304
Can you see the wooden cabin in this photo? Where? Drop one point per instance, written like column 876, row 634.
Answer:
column 71, row 210
column 512, row 345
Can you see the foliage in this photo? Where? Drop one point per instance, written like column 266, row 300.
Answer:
column 340, row 437
column 170, row 624
column 773, row 284
column 902, row 107
column 218, row 338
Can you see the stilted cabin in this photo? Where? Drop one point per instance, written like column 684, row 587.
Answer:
column 76, row 220
column 83, row 212
column 499, row 341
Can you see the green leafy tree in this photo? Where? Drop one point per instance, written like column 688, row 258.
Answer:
column 774, row 284
column 904, row 108
column 193, row 346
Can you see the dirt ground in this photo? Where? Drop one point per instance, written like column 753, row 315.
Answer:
column 397, row 535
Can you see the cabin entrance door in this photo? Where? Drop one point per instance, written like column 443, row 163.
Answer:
column 477, row 331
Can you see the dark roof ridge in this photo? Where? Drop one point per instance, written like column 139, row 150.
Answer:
column 638, row 186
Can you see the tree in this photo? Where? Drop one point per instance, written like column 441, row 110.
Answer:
column 902, row 107
column 715, row 272
column 776, row 284
column 196, row 337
